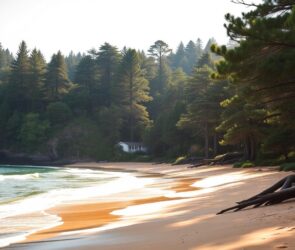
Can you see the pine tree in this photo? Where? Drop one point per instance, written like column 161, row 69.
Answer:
column 261, row 66
column 5, row 61
column 199, row 48
column 135, row 93
column 203, row 97
column 72, row 61
column 108, row 59
column 179, row 60
column 191, row 55
column 87, row 77
column 37, row 80
column 57, row 82
column 19, row 82
column 159, row 50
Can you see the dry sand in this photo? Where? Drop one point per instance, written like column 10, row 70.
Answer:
column 184, row 220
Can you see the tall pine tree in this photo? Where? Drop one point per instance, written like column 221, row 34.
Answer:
column 135, row 93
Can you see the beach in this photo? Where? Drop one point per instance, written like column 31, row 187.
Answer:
column 175, row 210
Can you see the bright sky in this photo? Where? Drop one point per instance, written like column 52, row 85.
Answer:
column 79, row 25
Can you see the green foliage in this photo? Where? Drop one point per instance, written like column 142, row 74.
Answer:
column 159, row 51
column 179, row 160
column 203, row 103
column 180, row 103
column 86, row 95
column 135, row 92
column 287, row 166
column 33, row 132
column 248, row 165
column 58, row 113
column 72, row 61
column 81, row 138
column 245, row 164
column 107, row 59
column 259, row 68
column 57, row 82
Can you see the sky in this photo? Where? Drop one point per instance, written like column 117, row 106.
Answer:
column 80, row 25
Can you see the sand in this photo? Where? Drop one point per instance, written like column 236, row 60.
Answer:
column 186, row 219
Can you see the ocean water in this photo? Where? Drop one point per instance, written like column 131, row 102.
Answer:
column 27, row 192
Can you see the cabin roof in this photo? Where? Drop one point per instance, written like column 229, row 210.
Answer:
column 132, row 143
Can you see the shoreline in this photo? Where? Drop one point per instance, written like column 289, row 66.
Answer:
column 91, row 214
column 184, row 220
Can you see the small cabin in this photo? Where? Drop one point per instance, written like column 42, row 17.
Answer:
column 132, row 147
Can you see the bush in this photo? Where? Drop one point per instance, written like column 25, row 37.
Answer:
column 287, row 166
column 33, row 132
column 179, row 160
column 130, row 157
column 248, row 164
column 244, row 164
column 237, row 164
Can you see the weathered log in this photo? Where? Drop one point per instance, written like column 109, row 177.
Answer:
column 227, row 158
column 277, row 193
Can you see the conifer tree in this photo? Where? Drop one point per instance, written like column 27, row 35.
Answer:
column 72, row 61
column 180, row 59
column 87, row 78
column 37, row 80
column 159, row 50
column 108, row 59
column 199, row 48
column 135, row 93
column 192, row 56
column 57, row 82
column 261, row 65
column 19, row 82
column 203, row 97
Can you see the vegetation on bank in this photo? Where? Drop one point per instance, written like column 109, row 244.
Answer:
column 192, row 102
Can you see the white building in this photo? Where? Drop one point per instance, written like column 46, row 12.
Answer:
column 132, row 147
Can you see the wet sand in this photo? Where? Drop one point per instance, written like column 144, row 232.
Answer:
column 185, row 220
column 92, row 215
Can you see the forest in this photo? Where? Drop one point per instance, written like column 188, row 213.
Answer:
column 201, row 101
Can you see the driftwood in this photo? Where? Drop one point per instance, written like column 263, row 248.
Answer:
column 279, row 192
column 227, row 158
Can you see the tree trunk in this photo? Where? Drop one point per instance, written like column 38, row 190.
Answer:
column 131, row 108
column 246, row 149
column 206, row 141
column 277, row 193
column 215, row 144
column 252, row 148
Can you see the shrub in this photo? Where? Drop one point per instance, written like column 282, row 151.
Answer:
column 33, row 132
column 179, row 160
column 237, row 164
column 244, row 164
column 287, row 166
column 248, row 164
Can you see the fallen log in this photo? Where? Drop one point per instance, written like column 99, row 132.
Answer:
column 277, row 193
column 227, row 158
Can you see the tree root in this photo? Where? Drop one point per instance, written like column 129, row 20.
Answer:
column 277, row 193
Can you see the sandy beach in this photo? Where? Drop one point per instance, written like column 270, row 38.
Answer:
column 184, row 218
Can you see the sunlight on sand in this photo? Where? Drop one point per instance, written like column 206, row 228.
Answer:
column 149, row 208
column 133, row 215
column 253, row 239
column 190, row 222
column 219, row 180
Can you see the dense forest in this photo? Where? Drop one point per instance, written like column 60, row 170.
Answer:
column 200, row 101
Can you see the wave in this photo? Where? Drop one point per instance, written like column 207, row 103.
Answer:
column 10, row 232
column 66, row 186
column 19, row 177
